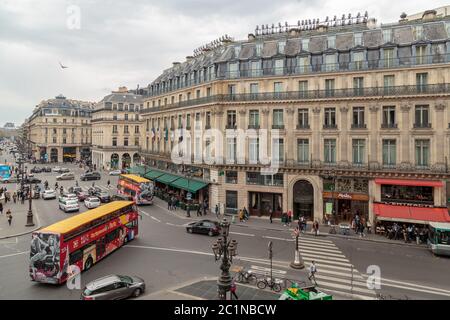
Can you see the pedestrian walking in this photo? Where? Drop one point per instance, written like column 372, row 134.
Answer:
column 199, row 211
column 22, row 197
column 188, row 210
column 205, row 207
column 76, row 183
column 241, row 215
column 216, row 210
column 245, row 214
column 233, row 291
column 169, row 204
column 1, row 208
column 270, row 215
column 316, row 228
column 312, row 272
column 108, row 183
column 15, row 197
column 289, row 216
column 9, row 216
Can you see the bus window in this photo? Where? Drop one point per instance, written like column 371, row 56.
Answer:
column 112, row 236
column 444, row 238
column 75, row 256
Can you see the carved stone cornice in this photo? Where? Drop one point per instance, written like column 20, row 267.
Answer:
column 344, row 109
column 405, row 107
column 265, row 111
column 374, row 108
column 440, row 106
column 243, row 112
column 290, row 111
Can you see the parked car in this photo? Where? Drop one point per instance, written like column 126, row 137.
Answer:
column 46, row 169
column 69, row 195
column 113, row 287
column 115, row 172
column 64, row 170
column 49, row 194
column 90, row 176
column 57, row 169
column 103, row 196
column 209, row 227
column 36, row 170
column 75, row 189
column 66, row 176
column 31, row 180
column 82, row 195
column 121, row 197
column 92, row 202
column 69, row 205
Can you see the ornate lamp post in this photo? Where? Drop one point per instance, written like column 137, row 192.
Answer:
column 298, row 261
column 225, row 249
column 30, row 222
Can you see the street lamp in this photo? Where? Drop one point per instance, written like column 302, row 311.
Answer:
column 30, row 222
column 298, row 261
column 225, row 249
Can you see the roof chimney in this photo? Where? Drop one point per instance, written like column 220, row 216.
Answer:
column 175, row 64
column 429, row 15
column 251, row 37
column 189, row 58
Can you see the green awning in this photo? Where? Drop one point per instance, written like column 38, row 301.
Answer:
column 139, row 170
column 152, row 175
column 188, row 184
column 167, row 178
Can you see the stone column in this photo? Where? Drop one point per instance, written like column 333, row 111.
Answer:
column 60, row 154
column 440, row 128
column 218, row 134
column 373, row 138
column 265, row 137
column 405, row 138
column 316, row 143
column 344, row 141
column 241, row 141
column 290, row 136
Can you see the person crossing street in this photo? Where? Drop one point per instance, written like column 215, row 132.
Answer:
column 312, row 272
column 9, row 216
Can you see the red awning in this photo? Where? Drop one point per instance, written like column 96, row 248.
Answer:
column 415, row 183
column 410, row 214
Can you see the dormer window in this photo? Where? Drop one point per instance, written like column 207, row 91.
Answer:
column 418, row 33
column 281, row 46
column 305, row 44
column 387, row 35
column 237, row 50
column 331, row 42
column 358, row 39
column 258, row 49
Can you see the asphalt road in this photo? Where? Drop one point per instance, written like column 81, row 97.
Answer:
column 165, row 255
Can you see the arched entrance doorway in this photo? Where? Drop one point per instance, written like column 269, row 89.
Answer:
column 303, row 197
column 114, row 161
column 54, row 155
column 126, row 160
column 136, row 159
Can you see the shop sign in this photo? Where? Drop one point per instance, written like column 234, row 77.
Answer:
column 329, row 208
column 189, row 196
column 417, row 205
column 344, row 196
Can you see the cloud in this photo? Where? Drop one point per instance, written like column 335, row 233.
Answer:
column 131, row 42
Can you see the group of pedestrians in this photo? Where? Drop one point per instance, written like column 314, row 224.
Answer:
column 172, row 203
column 358, row 225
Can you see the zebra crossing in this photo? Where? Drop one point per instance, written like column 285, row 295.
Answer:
column 103, row 187
column 335, row 273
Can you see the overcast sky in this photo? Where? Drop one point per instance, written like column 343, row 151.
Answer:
column 130, row 42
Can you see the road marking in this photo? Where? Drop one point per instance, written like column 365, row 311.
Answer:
column 243, row 234
column 415, row 289
column 313, row 254
column 344, row 287
column 387, row 282
column 264, row 270
column 275, row 238
column 318, row 252
column 14, row 254
column 156, row 219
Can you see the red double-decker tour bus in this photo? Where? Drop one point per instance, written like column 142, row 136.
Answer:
column 81, row 241
column 140, row 189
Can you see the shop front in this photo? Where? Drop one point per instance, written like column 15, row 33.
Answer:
column 85, row 154
column 262, row 203
column 69, row 154
column 409, row 202
column 344, row 198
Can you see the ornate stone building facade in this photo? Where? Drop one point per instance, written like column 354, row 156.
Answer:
column 59, row 130
column 116, row 130
column 356, row 116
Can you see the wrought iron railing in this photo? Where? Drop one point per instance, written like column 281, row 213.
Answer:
column 408, row 90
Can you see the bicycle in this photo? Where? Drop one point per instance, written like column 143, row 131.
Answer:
column 274, row 285
column 245, row 277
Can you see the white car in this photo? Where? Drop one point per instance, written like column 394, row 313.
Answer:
column 68, row 196
column 69, row 205
column 92, row 202
column 56, row 169
column 65, row 176
column 49, row 194
column 115, row 172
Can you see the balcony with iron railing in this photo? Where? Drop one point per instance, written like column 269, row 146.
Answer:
column 330, row 126
column 359, row 126
column 422, row 125
column 380, row 64
column 389, row 126
column 303, row 126
column 382, row 92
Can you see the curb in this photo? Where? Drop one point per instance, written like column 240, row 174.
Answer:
column 27, row 232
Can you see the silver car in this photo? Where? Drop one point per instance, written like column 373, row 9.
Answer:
column 113, row 287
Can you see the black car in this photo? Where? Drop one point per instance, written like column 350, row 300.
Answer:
column 32, row 180
column 75, row 189
column 103, row 196
column 46, row 169
column 121, row 197
column 90, row 176
column 209, row 227
column 36, row 170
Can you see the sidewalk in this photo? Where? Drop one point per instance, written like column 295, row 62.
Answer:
column 263, row 223
column 17, row 228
